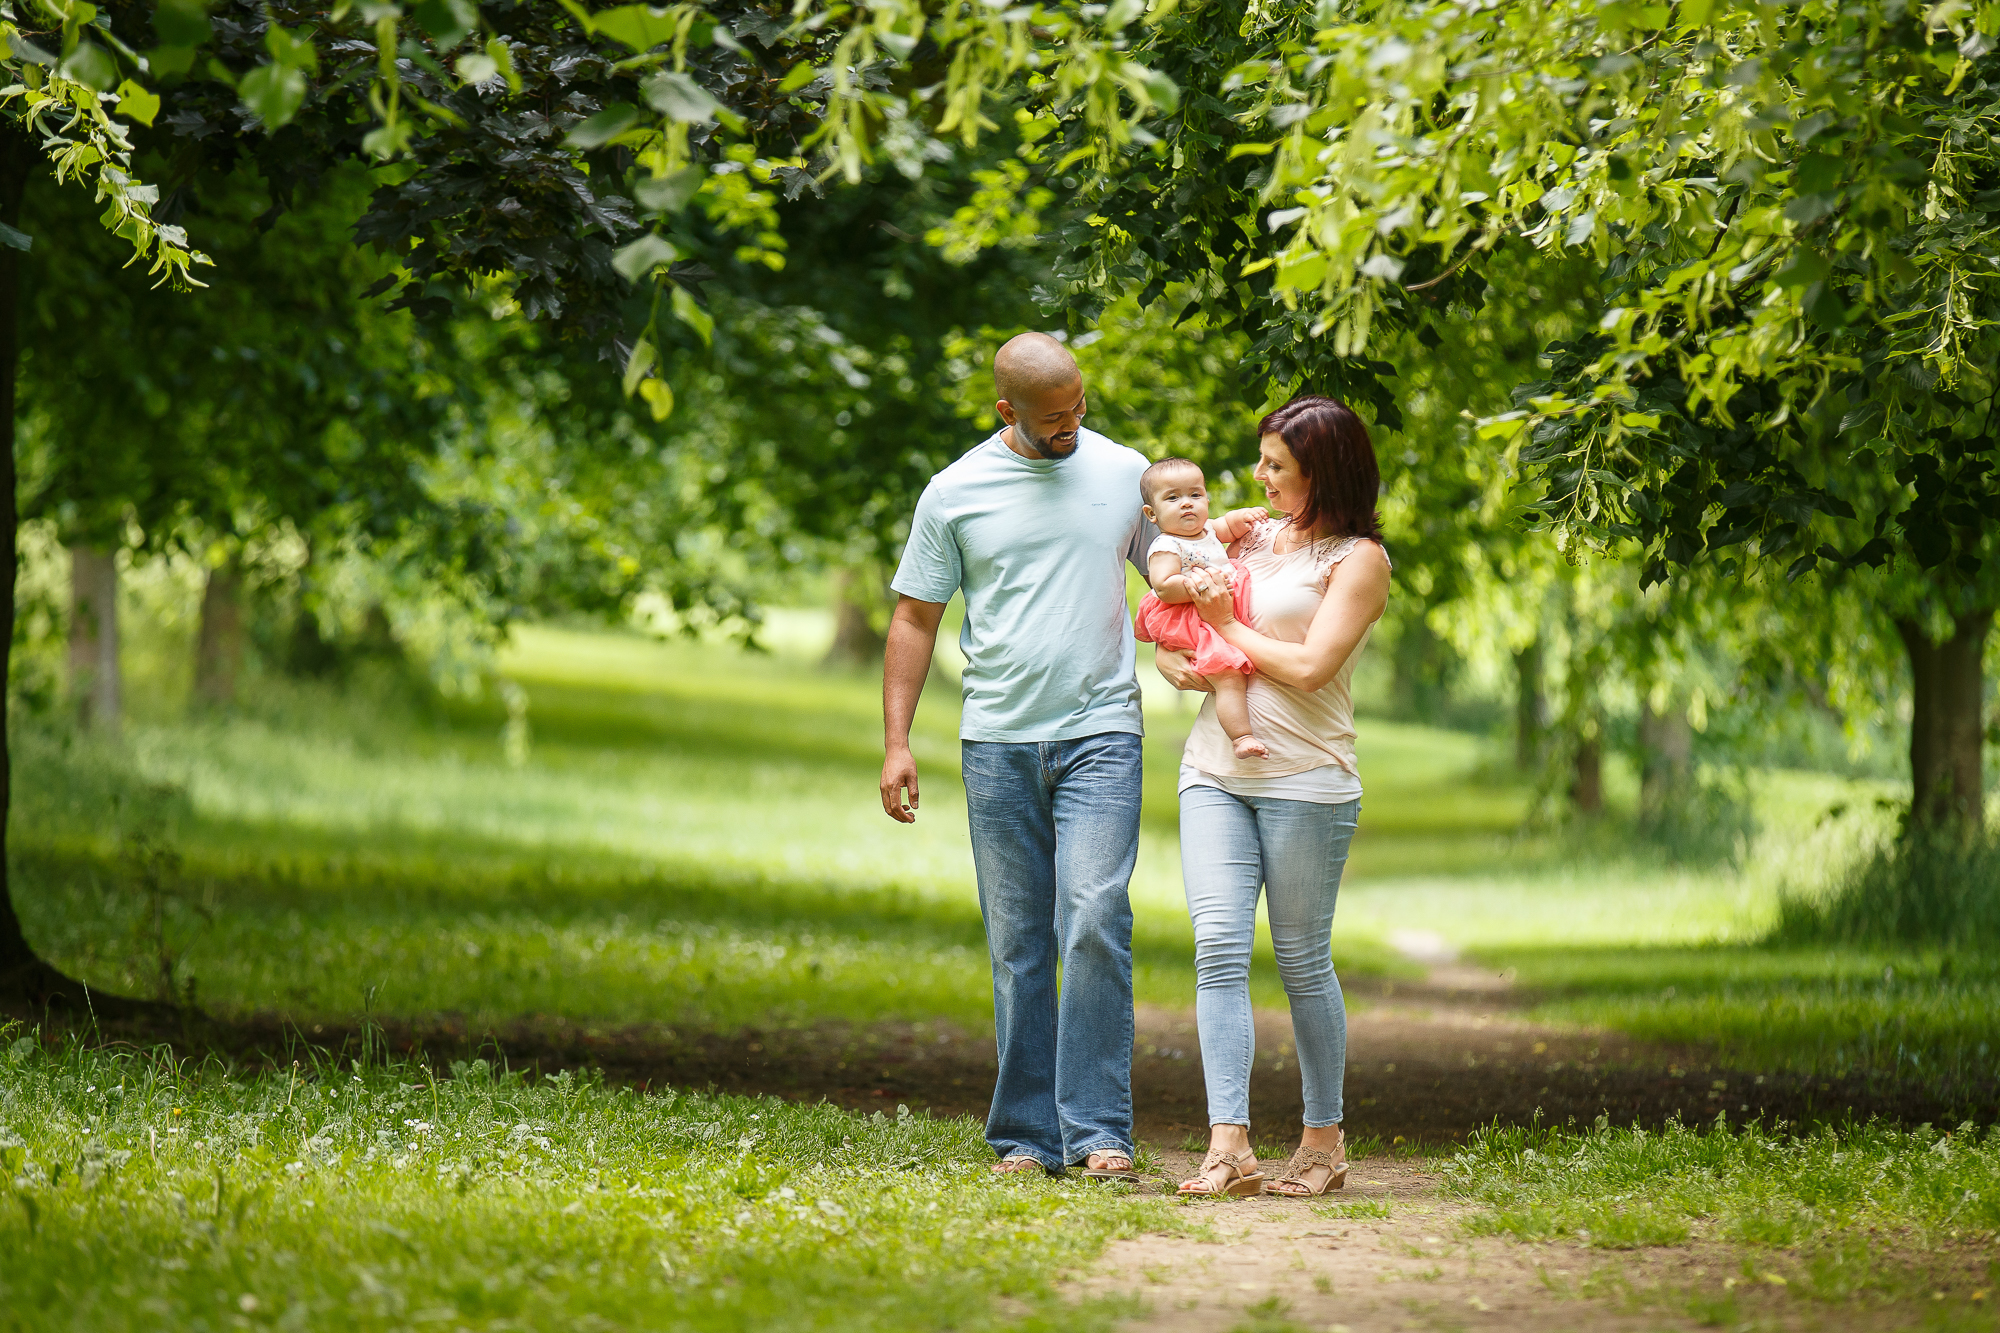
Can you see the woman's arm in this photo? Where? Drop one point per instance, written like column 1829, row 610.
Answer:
column 1163, row 572
column 1355, row 596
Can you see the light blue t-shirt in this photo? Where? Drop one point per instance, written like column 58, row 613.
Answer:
column 1040, row 548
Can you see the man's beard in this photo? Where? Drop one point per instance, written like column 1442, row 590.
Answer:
column 1044, row 445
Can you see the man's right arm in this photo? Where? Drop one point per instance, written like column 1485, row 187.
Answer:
column 912, row 641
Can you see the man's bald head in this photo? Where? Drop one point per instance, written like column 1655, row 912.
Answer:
column 1041, row 395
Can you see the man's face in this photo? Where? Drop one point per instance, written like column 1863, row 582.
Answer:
column 1047, row 423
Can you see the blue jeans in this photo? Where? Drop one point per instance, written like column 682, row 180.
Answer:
column 1055, row 832
column 1296, row 851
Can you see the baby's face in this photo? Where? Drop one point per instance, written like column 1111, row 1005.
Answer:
column 1179, row 506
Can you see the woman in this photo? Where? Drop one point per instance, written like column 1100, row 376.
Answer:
column 1319, row 581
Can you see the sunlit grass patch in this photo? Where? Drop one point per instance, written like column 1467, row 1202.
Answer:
column 1917, row 1015
column 1355, row 1209
column 149, row 1195
column 1623, row 1188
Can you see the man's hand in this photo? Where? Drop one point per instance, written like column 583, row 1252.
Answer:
column 1174, row 667
column 912, row 639
column 899, row 771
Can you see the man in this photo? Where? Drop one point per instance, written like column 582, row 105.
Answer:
column 1036, row 526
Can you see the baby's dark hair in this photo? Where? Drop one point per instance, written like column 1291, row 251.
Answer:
column 1157, row 473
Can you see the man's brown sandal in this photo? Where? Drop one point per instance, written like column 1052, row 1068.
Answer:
column 1304, row 1160
column 1238, row 1183
column 1013, row 1164
column 1117, row 1166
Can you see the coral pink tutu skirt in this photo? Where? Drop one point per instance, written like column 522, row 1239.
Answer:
column 1177, row 625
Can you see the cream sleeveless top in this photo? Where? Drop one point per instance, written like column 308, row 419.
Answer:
column 1304, row 729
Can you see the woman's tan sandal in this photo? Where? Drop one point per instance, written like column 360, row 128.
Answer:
column 1236, row 1182
column 1304, row 1160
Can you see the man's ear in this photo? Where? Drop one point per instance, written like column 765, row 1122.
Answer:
column 1006, row 411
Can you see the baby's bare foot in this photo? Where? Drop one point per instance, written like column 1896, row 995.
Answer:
column 1249, row 747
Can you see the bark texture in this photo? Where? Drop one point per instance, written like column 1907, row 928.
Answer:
column 1946, row 724
column 1531, row 709
column 1666, row 758
column 1586, row 787
column 857, row 600
column 95, row 683
column 218, row 648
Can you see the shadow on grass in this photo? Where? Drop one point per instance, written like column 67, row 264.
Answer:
column 1876, row 1018
column 455, row 924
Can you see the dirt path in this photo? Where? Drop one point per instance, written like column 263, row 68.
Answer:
column 1427, row 1063
column 1386, row 1255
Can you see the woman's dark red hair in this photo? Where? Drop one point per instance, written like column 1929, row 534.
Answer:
column 1337, row 460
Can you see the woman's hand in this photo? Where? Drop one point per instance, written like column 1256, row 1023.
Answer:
column 1173, row 667
column 1211, row 597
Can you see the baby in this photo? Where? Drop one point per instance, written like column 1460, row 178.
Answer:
column 1176, row 500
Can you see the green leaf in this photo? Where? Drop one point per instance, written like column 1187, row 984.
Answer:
column 658, row 397
column 273, row 93
column 1819, row 172
column 15, row 237
column 181, row 22
column 797, row 77
column 670, row 193
column 638, row 26
column 1802, row 270
column 91, row 64
column 1164, row 93
column 691, row 314
column 502, row 55
column 642, row 256
column 135, row 103
column 1121, row 13
column 448, row 21
column 1695, row 13
column 28, row 51
column 637, row 365
column 605, row 126
column 476, row 67
column 675, row 94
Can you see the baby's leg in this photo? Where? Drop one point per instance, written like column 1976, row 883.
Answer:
column 1232, row 710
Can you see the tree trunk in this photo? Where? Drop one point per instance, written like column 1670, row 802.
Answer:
column 856, row 600
column 95, row 683
column 1586, row 788
column 1531, row 709
column 23, row 975
column 218, row 648
column 1946, row 721
column 1666, row 759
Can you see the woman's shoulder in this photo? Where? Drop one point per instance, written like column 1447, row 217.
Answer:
column 1367, row 554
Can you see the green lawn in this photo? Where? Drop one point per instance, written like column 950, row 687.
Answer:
column 696, row 839
column 145, row 1196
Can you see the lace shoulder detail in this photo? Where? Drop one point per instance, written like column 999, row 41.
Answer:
column 1330, row 552
column 1261, row 537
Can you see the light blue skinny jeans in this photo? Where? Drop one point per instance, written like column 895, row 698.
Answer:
column 1294, row 850
column 1055, row 832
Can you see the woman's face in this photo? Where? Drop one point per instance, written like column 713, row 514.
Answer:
column 1284, row 484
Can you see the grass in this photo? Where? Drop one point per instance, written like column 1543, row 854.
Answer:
column 1838, row 1216
column 695, row 840
column 149, row 1194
